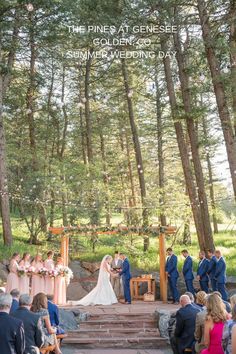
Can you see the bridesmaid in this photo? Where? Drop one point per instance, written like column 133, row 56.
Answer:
column 38, row 284
column 60, row 284
column 13, row 278
column 49, row 281
column 24, row 280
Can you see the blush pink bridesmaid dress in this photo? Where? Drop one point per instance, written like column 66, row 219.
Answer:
column 59, row 288
column 38, row 283
column 12, row 278
column 24, row 280
column 49, row 281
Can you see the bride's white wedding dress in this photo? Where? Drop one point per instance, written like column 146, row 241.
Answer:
column 103, row 293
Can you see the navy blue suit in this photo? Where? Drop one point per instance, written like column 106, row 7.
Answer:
column 188, row 274
column 202, row 270
column 14, row 306
column 12, row 336
column 126, row 276
column 54, row 317
column 173, row 274
column 220, row 277
column 211, row 272
column 185, row 327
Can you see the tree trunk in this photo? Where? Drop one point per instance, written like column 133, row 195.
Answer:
column 185, row 89
column 232, row 43
column 137, row 148
column 211, row 184
column 87, row 109
column 219, row 90
column 161, row 176
column 5, row 79
column 183, row 150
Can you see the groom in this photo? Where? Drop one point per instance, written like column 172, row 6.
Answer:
column 126, row 276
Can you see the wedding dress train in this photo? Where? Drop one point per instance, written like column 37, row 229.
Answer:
column 103, row 293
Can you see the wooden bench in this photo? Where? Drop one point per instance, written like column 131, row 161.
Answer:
column 48, row 349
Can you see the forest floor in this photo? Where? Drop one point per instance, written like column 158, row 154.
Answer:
column 131, row 244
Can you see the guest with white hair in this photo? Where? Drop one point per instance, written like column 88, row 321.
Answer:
column 34, row 336
column 12, row 336
column 185, row 324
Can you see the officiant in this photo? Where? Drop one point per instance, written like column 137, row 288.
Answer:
column 116, row 265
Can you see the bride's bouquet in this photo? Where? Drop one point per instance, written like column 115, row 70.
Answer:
column 30, row 271
column 52, row 273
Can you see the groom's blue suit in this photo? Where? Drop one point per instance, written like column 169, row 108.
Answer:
column 126, row 276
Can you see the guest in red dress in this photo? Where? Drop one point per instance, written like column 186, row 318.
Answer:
column 49, row 279
column 214, row 325
column 24, row 279
column 13, row 278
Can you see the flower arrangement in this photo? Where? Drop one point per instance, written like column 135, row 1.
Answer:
column 21, row 271
column 52, row 273
column 43, row 272
column 65, row 272
column 30, row 271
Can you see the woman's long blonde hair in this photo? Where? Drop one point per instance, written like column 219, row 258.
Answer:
column 216, row 308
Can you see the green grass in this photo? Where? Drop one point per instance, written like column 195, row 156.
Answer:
column 81, row 248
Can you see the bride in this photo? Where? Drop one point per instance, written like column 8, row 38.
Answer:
column 103, row 293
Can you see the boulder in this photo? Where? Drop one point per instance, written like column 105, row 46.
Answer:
column 78, row 271
column 89, row 284
column 91, row 267
column 163, row 317
column 75, row 291
column 3, row 274
column 68, row 320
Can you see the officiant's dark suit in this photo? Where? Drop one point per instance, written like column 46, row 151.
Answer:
column 126, row 276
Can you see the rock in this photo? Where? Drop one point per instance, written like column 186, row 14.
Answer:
column 163, row 317
column 3, row 274
column 67, row 320
column 89, row 284
column 78, row 271
column 231, row 292
column 75, row 291
column 91, row 267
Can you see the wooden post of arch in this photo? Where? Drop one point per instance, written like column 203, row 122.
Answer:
column 162, row 256
column 64, row 242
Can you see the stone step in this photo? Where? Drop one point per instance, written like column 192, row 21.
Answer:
column 119, row 342
column 114, row 332
column 122, row 316
column 134, row 323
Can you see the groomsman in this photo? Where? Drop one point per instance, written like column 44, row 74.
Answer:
column 212, row 268
column 172, row 274
column 220, row 275
column 188, row 271
column 202, row 270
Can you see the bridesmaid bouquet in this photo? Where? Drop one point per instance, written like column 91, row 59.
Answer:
column 67, row 273
column 21, row 271
column 52, row 273
column 30, row 271
column 43, row 272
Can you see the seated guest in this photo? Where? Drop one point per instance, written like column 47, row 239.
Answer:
column 12, row 336
column 15, row 300
column 188, row 272
column 199, row 326
column 227, row 304
column 202, row 270
column 229, row 325
column 34, row 336
column 185, row 324
column 234, row 340
column 40, row 306
column 200, row 299
column 54, row 314
column 214, row 325
column 220, row 275
column 190, row 295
